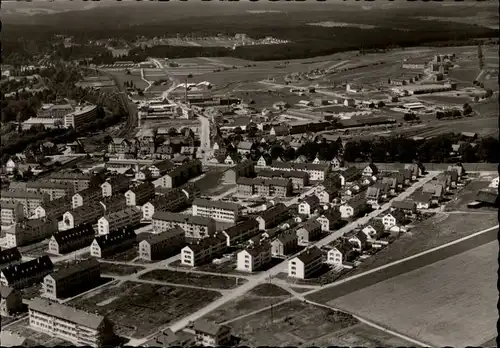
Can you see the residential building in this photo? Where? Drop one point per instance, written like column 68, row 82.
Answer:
column 384, row 190
column 73, row 239
column 11, row 301
column 494, row 183
column 195, row 227
column 169, row 339
column 9, row 257
column 246, row 186
column 309, row 205
column 53, row 209
column 337, row 163
column 25, row 274
column 306, row 263
column 128, row 217
column 459, row 168
column 12, row 212
column 115, row 185
column 317, row 172
column 393, row 183
column 415, row 170
column 30, row 231
column 246, row 168
column 217, row 210
column 423, row 200
column 54, row 111
column 349, row 175
column 85, row 197
column 340, row 254
column 115, row 241
column 80, row 181
column 80, row 116
column 406, row 176
column 407, row 206
column 353, row 207
column 121, row 146
column 358, row 241
column 140, row 194
column 370, row 170
column 70, row 324
column 241, row 232
column 161, row 168
column 72, row 280
column 210, row 334
column 244, row 147
column 29, row 200
column 327, row 194
column 372, row 196
column 162, row 245
column 285, row 244
column 299, row 178
column 113, row 204
column 308, row 231
column 453, row 177
column 272, row 216
column 395, row 218
column 329, row 219
column 180, row 175
column 82, row 215
column 174, row 200
column 436, row 190
column 374, row 230
column 263, row 161
column 202, row 251
column 254, row 258
column 265, row 187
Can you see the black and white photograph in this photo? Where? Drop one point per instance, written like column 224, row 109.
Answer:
column 249, row 173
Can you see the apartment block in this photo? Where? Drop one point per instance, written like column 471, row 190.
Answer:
column 53, row 209
column 140, row 194
column 70, row 324
column 195, row 227
column 174, row 200
column 317, row 172
column 113, row 203
column 86, row 197
column 254, row 258
column 82, row 215
column 299, row 178
column 11, row 302
column 9, row 256
column 54, row 190
column 12, row 212
column 162, row 245
column 273, row 216
column 241, row 232
column 113, row 242
column 30, row 231
column 202, row 251
column 80, row 181
column 23, row 275
column 209, row 334
column 80, row 116
column 305, row 264
column 115, row 185
column 29, row 200
column 179, row 175
column 128, row 217
column 217, row 210
column 73, row 239
column 72, row 280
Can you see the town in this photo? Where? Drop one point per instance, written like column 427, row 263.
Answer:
column 170, row 202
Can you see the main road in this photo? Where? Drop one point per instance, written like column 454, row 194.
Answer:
column 265, row 276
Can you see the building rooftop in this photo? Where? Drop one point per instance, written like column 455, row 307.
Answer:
column 309, row 255
column 9, row 255
column 27, row 269
column 216, row 204
column 160, row 237
column 76, row 268
column 207, row 327
column 114, row 238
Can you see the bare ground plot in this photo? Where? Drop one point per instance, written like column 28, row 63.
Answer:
column 449, row 303
column 138, row 310
column 289, row 324
column 22, row 329
column 466, row 195
column 260, row 297
column 194, row 279
column 124, row 256
column 119, row 270
column 440, row 229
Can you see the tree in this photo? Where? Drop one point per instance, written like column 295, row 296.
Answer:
column 381, row 104
column 489, row 92
column 467, row 109
column 408, row 117
column 476, row 99
column 276, row 151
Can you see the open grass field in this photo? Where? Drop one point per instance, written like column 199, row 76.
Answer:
column 467, row 195
column 135, row 77
column 194, row 279
column 449, row 303
column 119, row 270
column 289, row 324
column 262, row 296
column 138, row 310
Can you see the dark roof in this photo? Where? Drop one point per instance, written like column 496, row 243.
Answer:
column 351, row 173
column 406, row 204
column 258, row 249
column 286, row 236
column 270, row 173
column 207, row 327
column 373, row 167
column 398, row 215
column 311, row 200
column 278, row 209
column 487, row 196
column 356, row 201
column 160, row 237
column 76, row 268
column 310, row 225
column 216, row 204
column 423, row 197
column 383, row 186
column 241, row 227
column 332, row 215
column 81, row 231
column 309, row 255
column 9, row 255
column 248, row 181
column 202, row 244
column 27, row 269
column 115, row 238
column 277, row 182
column 182, row 218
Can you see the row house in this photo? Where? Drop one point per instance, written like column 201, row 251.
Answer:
column 72, row 279
column 140, row 194
column 162, row 245
column 306, row 264
column 88, row 196
column 241, row 232
column 354, row 207
column 246, row 168
column 11, row 302
column 12, row 212
column 30, row 231
column 254, row 258
column 317, row 172
column 9, row 256
column 265, row 187
column 29, row 200
column 203, row 251
column 195, row 227
column 116, row 184
column 128, row 217
column 54, row 190
column 82, row 215
column 113, row 204
column 329, row 220
column 299, row 179
column 53, row 209
column 113, row 242
column 217, row 210
column 284, row 244
column 309, row 206
column 69, row 324
column 327, row 194
column 349, row 176
column 180, row 175
column 70, row 240
column 273, row 216
column 80, row 181
column 308, row 231
column 174, row 200
column 26, row 274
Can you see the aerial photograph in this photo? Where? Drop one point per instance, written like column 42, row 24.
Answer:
column 249, row 173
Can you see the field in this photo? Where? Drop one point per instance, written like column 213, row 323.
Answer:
column 467, row 195
column 289, row 324
column 134, row 307
column 135, row 77
column 119, row 270
column 449, row 303
column 194, row 279
column 260, row 297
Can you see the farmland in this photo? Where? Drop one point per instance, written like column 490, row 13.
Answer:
column 135, row 77
column 260, row 297
column 133, row 307
column 194, row 279
column 448, row 303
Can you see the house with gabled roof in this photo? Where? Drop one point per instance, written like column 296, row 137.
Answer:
column 272, row 216
column 73, row 239
column 11, row 302
column 435, row 189
column 161, row 245
column 306, row 264
column 210, row 334
column 113, row 242
column 284, row 244
column 340, row 254
column 423, row 200
column 241, row 232
column 308, row 231
column 244, row 147
column 203, row 250
column 372, row 195
column 9, row 257
column 23, row 275
column 359, row 241
column 370, row 170
column 406, row 175
column 393, row 184
column 327, row 194
column 374, row 230
column 254, row 257
column 453, row 177
column 394, row 218
column 353, row 207
column 337, row 163
column 309, row 205
column 349, row 175
column 407, row 206
column 329, row 219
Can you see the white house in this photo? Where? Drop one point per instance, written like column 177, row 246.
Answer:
column 370, row 170
column 336, row 163
column 254, row 258
column 393, row 219
column 334, row 257
column 494, row 183
column 309, row 205
column 305, row 264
